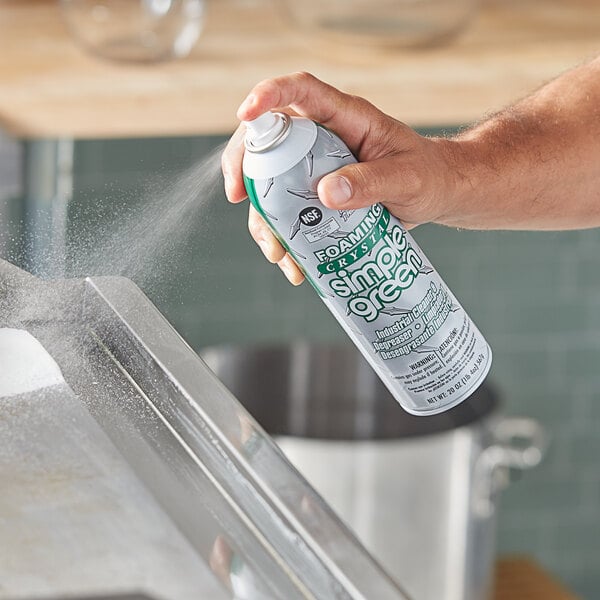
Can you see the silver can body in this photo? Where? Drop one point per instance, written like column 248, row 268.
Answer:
column 372, row 276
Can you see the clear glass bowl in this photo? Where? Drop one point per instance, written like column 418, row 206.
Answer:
column 385, row 22
column 135, row 30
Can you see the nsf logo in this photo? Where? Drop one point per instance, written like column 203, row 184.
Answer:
column 310, row 216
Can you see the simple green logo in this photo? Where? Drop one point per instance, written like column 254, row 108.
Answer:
column 380, row 281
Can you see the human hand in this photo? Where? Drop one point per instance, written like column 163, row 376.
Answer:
column 413, row 176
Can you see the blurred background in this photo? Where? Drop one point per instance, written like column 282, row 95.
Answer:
column 95, row 129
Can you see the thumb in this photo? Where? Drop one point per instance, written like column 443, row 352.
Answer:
column 362, row 184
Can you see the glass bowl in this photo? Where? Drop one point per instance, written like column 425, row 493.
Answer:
column 135, row 30
column 385, row 22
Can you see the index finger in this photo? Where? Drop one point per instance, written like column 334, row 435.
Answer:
column 231, row 165
column 310, row 97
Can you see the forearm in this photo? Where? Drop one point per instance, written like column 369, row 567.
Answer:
column 535, row 165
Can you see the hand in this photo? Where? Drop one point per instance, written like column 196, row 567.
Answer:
column 410, row 174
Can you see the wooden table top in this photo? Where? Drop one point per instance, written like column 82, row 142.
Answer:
column 50, row 87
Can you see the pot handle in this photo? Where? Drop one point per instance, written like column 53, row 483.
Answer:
column 519, row 443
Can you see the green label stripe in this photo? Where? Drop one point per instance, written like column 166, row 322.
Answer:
column 253, row 197
column 360, row 249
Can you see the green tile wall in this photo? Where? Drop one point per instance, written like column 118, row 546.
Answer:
column 536, row 296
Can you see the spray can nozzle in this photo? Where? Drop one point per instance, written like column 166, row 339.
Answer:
column 266, row 131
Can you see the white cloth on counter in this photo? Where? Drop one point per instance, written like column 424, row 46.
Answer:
column 25, row 365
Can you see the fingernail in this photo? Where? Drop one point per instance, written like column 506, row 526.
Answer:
column 228, row 180
column 338, row 190
column 287, row 268
column 247, row 103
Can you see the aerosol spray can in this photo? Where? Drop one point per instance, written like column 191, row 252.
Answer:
column 366, row 267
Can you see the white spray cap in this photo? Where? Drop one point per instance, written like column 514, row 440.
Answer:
column 266, row 156
column 266, row 131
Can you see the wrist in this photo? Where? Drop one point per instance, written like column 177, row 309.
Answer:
column 460, row 184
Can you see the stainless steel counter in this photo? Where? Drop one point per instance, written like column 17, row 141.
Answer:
column 142, row 474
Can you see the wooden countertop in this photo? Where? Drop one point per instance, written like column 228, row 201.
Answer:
column 49, row 87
